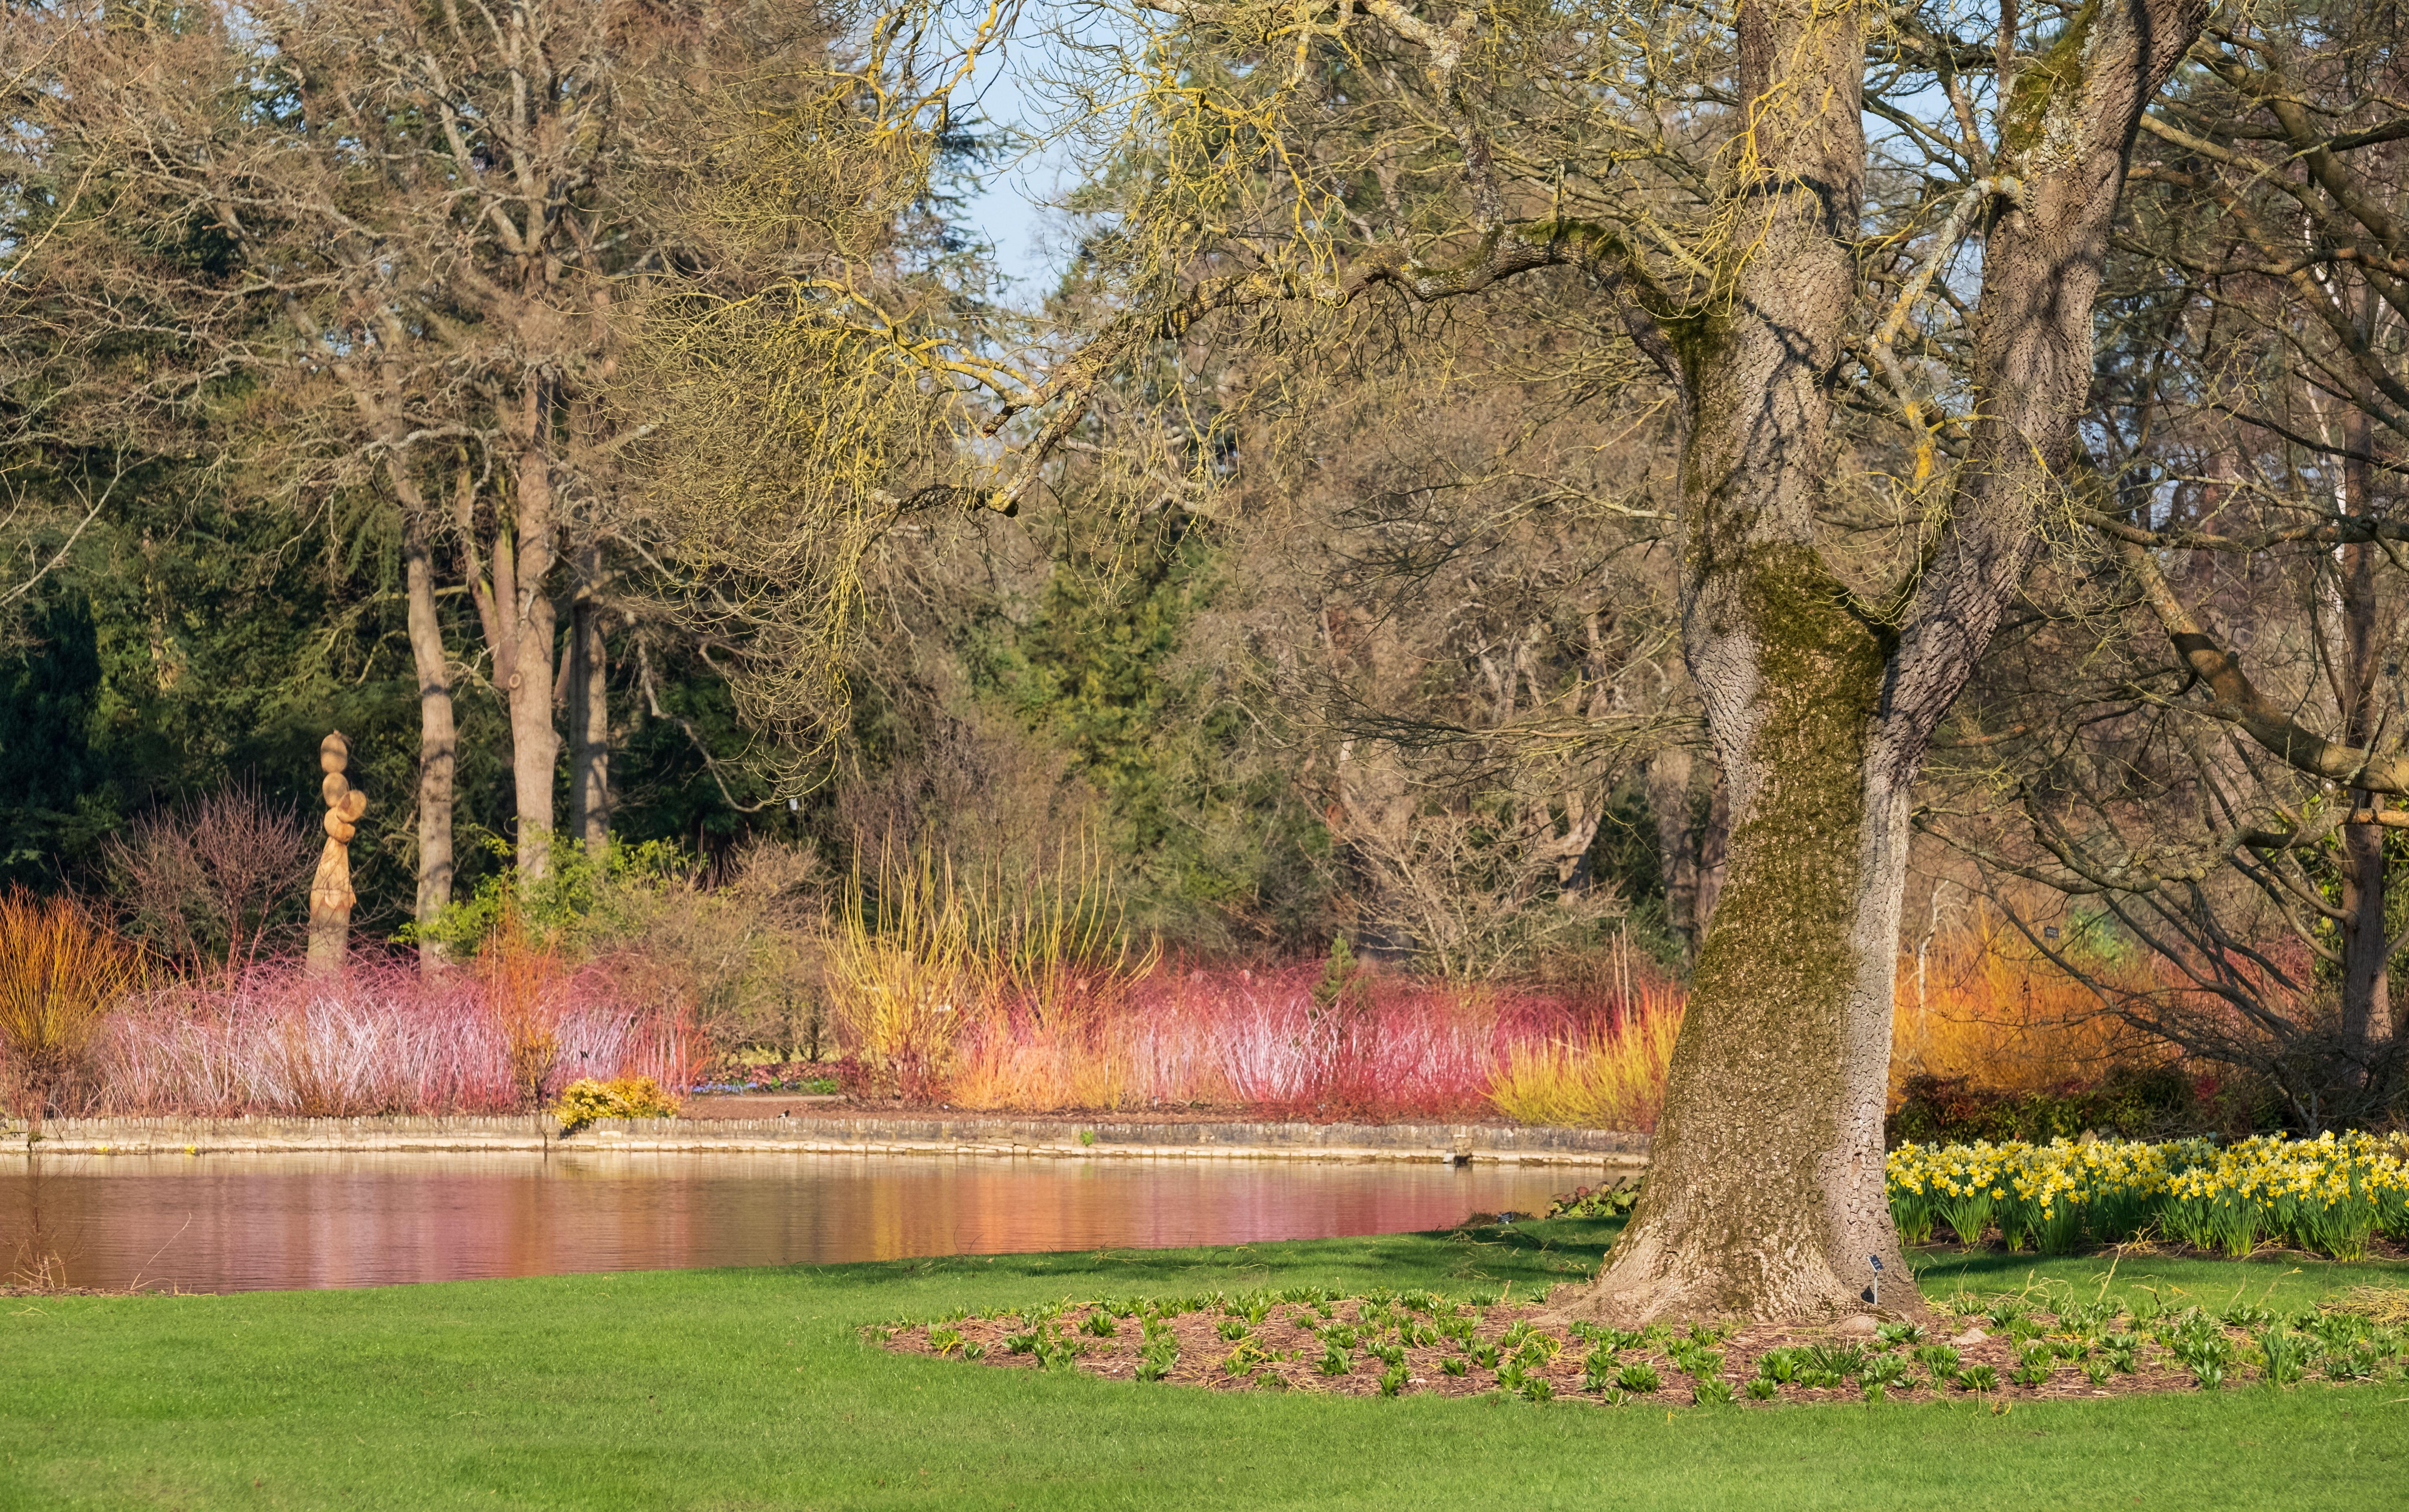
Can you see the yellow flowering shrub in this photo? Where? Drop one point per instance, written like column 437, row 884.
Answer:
column 585, row 1100
column 2329, row 1194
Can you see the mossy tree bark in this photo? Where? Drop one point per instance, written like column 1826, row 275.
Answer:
column 1764, row 1197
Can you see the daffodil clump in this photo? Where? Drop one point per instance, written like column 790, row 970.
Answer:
column 2331, row 1194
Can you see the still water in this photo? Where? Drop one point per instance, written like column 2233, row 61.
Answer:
column 255, row 1222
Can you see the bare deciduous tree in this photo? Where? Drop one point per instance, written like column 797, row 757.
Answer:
column 2204, row 715
column 216, row 882
column 1710, row 180
column 421, row 222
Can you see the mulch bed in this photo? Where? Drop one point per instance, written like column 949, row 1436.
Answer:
column 1284, row 1346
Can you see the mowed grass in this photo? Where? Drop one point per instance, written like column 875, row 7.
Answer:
column 753, row 1389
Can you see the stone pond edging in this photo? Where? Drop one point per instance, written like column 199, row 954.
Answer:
column 951, row 1135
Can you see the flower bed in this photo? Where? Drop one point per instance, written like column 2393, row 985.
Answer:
column 738, row 1078
column 1417, row 1343
column 2330, row 1195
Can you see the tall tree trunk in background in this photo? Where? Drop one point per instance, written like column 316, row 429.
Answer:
column 1691, row 852
column 2361, row 634
column 1710, row 857
column 438, row 739
column 1765, row 1195
column 589, row 708
column 535, row 739
column 510, row 589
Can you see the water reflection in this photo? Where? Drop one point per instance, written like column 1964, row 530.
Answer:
column 235, row 1223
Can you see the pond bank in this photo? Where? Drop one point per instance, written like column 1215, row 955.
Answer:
column 1616, row 1153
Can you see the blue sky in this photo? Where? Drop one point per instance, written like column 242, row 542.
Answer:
column 1009, row 209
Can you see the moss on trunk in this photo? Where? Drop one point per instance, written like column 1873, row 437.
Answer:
column 1737, row 1217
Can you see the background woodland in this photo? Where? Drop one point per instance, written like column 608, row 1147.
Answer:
column 595, row 410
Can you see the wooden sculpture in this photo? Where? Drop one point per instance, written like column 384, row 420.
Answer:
column 330, row 891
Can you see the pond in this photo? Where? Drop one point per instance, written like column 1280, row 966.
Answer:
column 255, row 1222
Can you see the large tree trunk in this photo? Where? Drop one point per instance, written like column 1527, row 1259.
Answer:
column 1764, row 1196
column 1760, row 1200
column 1764, row 1191
column 438, row 739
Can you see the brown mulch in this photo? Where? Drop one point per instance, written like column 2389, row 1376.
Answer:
column 1292, row 1348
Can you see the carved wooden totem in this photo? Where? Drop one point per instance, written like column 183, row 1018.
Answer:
column 330, row 891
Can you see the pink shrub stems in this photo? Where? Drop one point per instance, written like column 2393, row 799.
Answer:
column 379, row 1038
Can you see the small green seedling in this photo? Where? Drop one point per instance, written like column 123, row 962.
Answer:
column 2285, row 1355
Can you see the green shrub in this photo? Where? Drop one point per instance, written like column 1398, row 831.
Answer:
column 2136, row 1102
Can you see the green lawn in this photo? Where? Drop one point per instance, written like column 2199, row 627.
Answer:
column 736, row 1390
